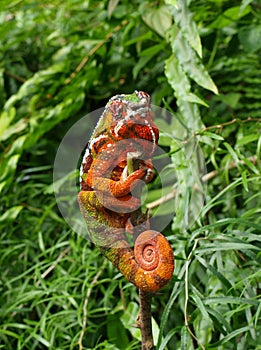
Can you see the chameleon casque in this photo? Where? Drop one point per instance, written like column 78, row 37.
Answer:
column 125, row 138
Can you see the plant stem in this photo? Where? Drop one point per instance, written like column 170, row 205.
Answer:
column 145, row 321
column 144, row 318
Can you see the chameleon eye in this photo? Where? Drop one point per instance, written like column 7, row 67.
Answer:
column 143, row 96
column 116, row 108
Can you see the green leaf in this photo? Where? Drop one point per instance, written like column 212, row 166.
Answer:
column 223, row 246
column 195, row 99
column 231, row 99
column 200, row 304
column 230, row 16
column 184, row 19
column 111, row 6
column 6, row 5
column 16, row 128
column 7, row 170
column 250, row 38
column 232, row 152
column 159, row 19
column 41, row 340
column 177, row 78
column 146, row 56
column 225, row 282
column 211, row 135
column 155, row 330
column 247, row 139
column 244, row 4
column 6, row 118
column 244, row 180
column 191, row 63
column 181, row 86
column 185, row 337
column 117, row 333
column 138, row 39
column 257, row 315
column 8, row 166
column 129, row 317
column 165, row 341
column 230, row 300
column 171, row 2
column 11, row 214
column 237, row 332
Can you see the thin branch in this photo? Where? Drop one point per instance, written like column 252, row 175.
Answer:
column 230, row 122
column 15, row 76
column 50, row 268
column 205, row 178
column 85, row 304
column 161, row 200
column 144, row 318
column 144, row 321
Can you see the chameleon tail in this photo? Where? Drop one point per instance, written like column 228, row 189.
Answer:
column 150, row 266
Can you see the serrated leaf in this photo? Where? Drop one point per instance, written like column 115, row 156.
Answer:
column 191, row 63
column 181, row 86
column 184, row 19
column 195, row 99
column 177, row 77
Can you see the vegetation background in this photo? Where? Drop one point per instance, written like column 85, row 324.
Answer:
column 61, row 59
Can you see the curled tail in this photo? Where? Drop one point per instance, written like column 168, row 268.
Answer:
column 149, row 266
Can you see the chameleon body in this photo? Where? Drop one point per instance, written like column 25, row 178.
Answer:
column 125, row 137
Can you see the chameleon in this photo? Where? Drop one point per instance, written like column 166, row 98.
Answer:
column 116, row 164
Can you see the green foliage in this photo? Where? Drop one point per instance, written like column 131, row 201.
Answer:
column 200, row 60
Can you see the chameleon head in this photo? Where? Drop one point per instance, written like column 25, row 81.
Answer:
column 133, row 119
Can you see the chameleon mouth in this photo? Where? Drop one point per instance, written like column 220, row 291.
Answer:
column 141, row 110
